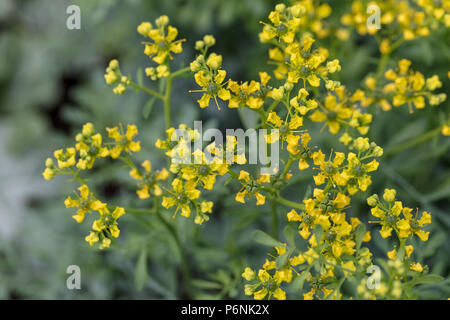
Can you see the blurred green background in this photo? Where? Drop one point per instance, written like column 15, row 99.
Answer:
column 51, row 83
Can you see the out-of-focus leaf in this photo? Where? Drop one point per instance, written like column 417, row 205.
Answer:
column 440, row 192
column 289, row 235
column 148, row 107
column 282, row 260
column 204, row 284
column 248, row 117
column 140, row 275
column 359, row 234
column 433, row 244
column 299, row 282
column 428, row 279
column 318, row 232
column 263, row 238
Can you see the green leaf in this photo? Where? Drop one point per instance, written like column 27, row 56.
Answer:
column 289, row 235
column 359, row 235
column 298, row 283
column 204, row 284
column 141, row 275
column 263, row 238
column 248, row 118
column 433, row 245
column 148, row 107
column 308, row 192
column 228, row 180
column 318, row 231
column 428, row 279
column 282, row 260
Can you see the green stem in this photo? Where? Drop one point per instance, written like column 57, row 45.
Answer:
column 167, row 95
column 381, row 66
column 273, row 105
column 167, row 103
column 77, row 176
column 178, row 73
column 274, row 224
column 413, row 142
column 184, row 262
column 147, row 90
column 287, row 167
column 289, row 203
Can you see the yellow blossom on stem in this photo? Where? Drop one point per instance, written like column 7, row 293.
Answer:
column 123, row 141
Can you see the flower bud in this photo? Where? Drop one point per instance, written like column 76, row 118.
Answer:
column 280, row 7
column 144, row 28
column 199, row 45
column 49, row 163
column 209, row 40
column 378, row 151
column 195, row 66
column 277, row 94
column 389, row 195
column 361, row 144
column 288, row 86
column 214, row 61
column 297, row 10
column 162, row 21
column 372, row 200
column 249, row 274
column 114, row 64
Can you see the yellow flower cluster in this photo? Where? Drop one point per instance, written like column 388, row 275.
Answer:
column 403, row 86
column 393, row 215
column 113, row 76
column 332, row 250
column 401, row 20
column 268, row 280
column 103, row 228
column 334, row 239
column 89, row 146
column 209, row 75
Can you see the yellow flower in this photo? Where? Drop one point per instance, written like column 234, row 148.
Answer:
column 445, row 130
column 182, row 196
column 204, row 170
column 416, row 267
column 123, row 141
column 163, row 40
column 249, row 274
column 212, row 87
column 389, row 195
column 251, row 187
column 329, row 169
column 89, row 145
column 307, row 64
column 92, row 238
column 286, row 130
column 113, row 74
column 392, row 254
column 50, row 170
column 359, row 172
column 334, row 113
column 410, row 225
column 245, row 94
column 86, row 203
column 149, row 180
column 65, row 159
